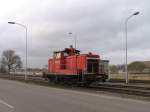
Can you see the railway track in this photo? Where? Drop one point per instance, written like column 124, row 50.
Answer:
column 129, row 86
column 143, row 91
column 129, row 90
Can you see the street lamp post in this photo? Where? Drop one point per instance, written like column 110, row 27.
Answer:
column 126, row 35
column 26, row 62
column 75, row 39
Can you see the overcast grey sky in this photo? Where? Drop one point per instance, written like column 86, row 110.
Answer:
column 98, row 25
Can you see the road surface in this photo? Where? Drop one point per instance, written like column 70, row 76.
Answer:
column 21, row 97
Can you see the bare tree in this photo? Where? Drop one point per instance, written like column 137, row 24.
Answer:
column 10, row 60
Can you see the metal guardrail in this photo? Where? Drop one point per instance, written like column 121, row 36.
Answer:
column 22, row 77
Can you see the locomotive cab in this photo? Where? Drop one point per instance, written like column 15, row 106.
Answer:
column 92, row 68
column 93, row 64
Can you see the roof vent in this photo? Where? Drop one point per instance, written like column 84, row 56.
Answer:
column 90, row 53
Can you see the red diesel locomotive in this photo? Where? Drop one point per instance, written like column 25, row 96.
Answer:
column 69, row 66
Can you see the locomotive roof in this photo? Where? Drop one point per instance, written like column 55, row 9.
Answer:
column 77, row 51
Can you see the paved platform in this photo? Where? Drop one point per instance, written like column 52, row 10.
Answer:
column 22, row 97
